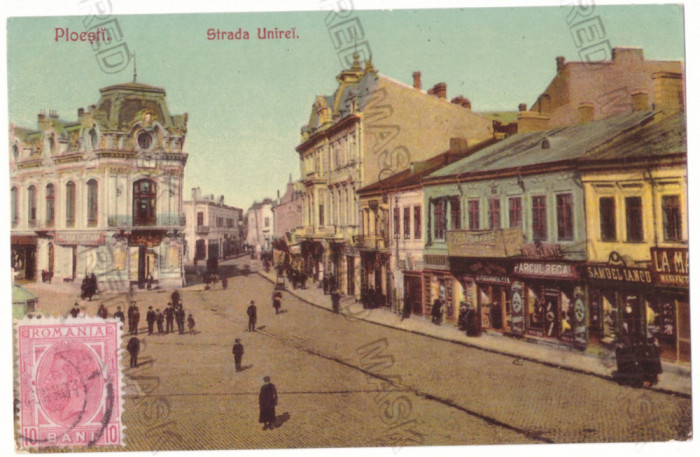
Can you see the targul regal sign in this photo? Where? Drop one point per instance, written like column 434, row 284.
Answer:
column 545, row 270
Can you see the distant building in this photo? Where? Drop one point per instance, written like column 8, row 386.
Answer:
column 213, row 229
column 586, row 91
column 101, row 194
column 260, row 225
column 287, row 210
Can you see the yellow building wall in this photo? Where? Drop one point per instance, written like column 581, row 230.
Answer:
column 402, row 124
column 627, row 183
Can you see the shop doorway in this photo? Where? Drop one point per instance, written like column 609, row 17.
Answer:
column 494, row 307
column 413, row 292
column 146, row 265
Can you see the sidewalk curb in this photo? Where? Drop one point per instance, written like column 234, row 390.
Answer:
column 490, row 350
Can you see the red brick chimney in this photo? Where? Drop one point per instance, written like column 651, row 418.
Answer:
column 439, row 90
column 416, row 80
column 462, row 101
column 561, row 61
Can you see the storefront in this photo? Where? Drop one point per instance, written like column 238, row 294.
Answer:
column 143, row 256
column 413, row 291
column 548, row 301
column 23, row 256
column 621, row 301
column 671, row 304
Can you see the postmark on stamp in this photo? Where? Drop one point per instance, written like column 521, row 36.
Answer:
column 69, row 383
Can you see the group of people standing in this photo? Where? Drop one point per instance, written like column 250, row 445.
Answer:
column 88, row 288
column 168, row 316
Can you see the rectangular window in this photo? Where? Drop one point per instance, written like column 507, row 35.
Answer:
column 70, row 204
column 267, row 220
column 200, row 218
column 440, row 217
column 633, row 214
column 494, row 213
column 565, row 216
column 515, row 211
column 539, row 217
column 397, row 222
column 455, row 214
column 671, row 208
column 407, row 222
column 417, row 229
column 320, row 214
column 608, row 227
column 473, row 208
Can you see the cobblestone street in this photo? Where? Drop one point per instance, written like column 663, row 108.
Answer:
column 345, row 382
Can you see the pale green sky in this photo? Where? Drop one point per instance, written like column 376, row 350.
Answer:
column 247, row 99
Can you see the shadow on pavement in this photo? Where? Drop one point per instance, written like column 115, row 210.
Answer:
column 280, row 420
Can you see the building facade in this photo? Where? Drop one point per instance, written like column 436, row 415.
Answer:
column 260, row 226
column 213, row 229
column 101, row 194
column 366, row 131
column 288, row 210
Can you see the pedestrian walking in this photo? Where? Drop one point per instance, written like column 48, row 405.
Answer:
column 436, row 312
column 277, row 301
column 136, row 317
column 130, row 316
column 119, row 314
column 133, row 346
column 406, row 313
column 169, row 318
column 102, row 311
column 335, row 300
column 75, row 311
column 267, row 401
column 190, row 324
column 159, row 321
column 224, row 282
column 150, row 319
column 180, row 319
column 238, row 354
column 252, row 316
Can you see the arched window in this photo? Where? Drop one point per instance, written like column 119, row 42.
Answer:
column 92, row 202
column 50, row 205
column 145, row 202
column 70, row 204
column 31, row 205
column 15, row 152
column 15, row 206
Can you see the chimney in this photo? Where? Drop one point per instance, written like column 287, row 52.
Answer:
column 81, row 113
column 462, row 101
column 417, row 84
column 458, row 145
column 561, row 61
column 53, row 114
column 585, row 112
column 640, row 100
column 622, row 55
column 522, row 107
column 439, row 90
column 532, row 121
column 668, row 91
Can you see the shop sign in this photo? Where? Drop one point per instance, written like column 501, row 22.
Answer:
column 439, row 260
column 29, row 240
column 580, row 334
column 87, row 238
column 150, row 239
column 546, row 270
column 539, row 250
column 517, row 313
column 669, row 266
column 485, row 243
column 493, row 279
column 615, row 273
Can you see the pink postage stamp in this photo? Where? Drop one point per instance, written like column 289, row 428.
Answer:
column 69, row 381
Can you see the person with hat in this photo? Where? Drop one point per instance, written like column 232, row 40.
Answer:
column 102, row 311
column 169, row 318
column 135, row 318
column 119, row 314
column 150, row 319
column 159, row 321
column 75, row 312
column 133, row 346
column 267, row 401
column 238, row 354
column 252, row 316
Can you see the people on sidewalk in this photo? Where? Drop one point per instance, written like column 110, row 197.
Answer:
column 150, row 319
column 277, row 301
column 436, row 311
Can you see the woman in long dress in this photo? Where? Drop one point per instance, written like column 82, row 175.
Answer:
column 267, row 401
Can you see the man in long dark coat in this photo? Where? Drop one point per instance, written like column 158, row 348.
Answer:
column 119, row 314
column 180, row 319
column 252, row 316
column 267, row 401
column 238, row 354
column 135, row 318
column 130, row 316
column 150, row 319
column 169, row 318
column 159, row 321
column 75, row 311
column 133, row 346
